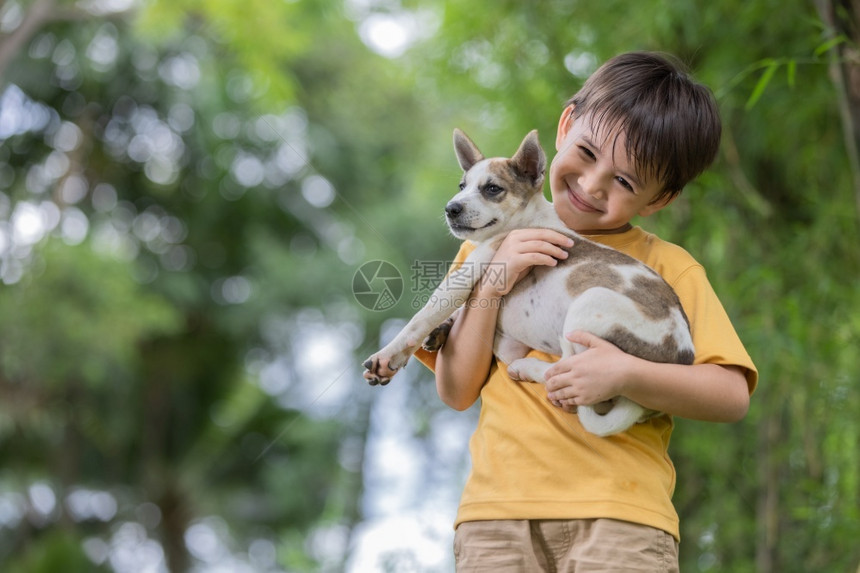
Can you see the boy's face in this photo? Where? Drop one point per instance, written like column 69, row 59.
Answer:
column 595, row 187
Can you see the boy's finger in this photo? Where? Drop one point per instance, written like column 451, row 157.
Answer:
column 547, row 235
column 584, row 338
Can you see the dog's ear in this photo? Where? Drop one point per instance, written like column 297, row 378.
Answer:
column 467, row 152
column 530, row 160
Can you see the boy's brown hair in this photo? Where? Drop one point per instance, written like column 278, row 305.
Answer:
column 671, row 122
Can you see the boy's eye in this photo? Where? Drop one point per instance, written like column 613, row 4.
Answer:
column 586, row 151
column 624, row 183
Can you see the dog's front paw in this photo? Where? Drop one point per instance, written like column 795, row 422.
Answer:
column 379, row 370
column 376, row 372
column 438, row 336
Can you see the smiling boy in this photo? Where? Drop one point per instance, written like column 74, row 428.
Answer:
column 543, row 494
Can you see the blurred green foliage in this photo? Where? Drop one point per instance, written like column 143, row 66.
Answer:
column 187, row 188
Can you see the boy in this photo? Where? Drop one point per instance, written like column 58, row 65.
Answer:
column 543, row 494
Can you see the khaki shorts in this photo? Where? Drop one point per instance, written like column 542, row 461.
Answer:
column 579, row 545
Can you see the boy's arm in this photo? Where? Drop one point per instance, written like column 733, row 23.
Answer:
column 463, row 363
column 708, row 392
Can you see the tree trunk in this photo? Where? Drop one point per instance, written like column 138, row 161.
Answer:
column 767, row 510
column 175, row 521
column 841, row 19
column 38, row 14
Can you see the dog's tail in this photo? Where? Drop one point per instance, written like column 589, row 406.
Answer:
column 624, row 413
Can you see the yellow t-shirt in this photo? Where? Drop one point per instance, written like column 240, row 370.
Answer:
column 531, row 460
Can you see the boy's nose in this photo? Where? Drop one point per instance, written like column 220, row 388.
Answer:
column 591, row 184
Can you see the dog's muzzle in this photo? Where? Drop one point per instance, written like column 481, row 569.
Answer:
column 454, row 212
column 453, row 209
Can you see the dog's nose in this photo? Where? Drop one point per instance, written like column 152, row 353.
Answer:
column 453, row 209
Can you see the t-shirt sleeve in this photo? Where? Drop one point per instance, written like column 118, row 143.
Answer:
column 714, row 337
column 429, row 358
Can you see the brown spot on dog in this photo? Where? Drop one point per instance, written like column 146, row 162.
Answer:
column 654, row 297
column 590, row 274
column 518, row 185
column 667, row 351
column 582, row 248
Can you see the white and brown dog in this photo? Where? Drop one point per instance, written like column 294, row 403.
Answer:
column 596, row 288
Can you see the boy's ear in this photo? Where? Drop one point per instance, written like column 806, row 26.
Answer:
column 564, row 124
column 657, row 205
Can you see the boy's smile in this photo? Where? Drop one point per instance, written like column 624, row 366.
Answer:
column 595, row 186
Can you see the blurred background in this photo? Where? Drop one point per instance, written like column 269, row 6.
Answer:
column 196, row 202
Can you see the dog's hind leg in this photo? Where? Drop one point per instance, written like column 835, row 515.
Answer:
column 513, row 353
column 528, row 369
column 599, row 311
column 436, row 339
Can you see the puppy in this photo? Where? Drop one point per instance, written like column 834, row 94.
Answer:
column 599, row 289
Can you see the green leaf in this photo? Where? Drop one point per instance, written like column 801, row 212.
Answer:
column 763, row 81
column 832, row 42
column 791, row 72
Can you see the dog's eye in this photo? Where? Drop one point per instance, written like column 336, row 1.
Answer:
column 492, row 189
column 462, row 185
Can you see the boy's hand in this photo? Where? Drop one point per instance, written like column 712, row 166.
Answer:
column 521, row 250
column 596, row 374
